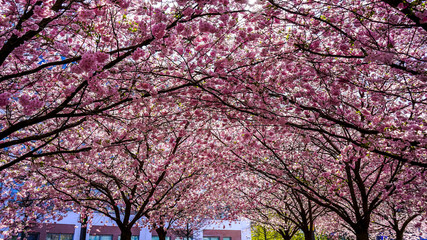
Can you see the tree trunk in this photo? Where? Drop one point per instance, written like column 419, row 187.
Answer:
column 162, row 233
column 308, row 235
column 83, row 229
column 189, row 232
column 399, row 232
column 23, row 235
column 126, row 234
column 362, row 234
column 399, row 235
column 264, row 231
column 286, row 235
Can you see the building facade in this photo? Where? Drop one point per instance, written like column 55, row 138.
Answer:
column 103, row 228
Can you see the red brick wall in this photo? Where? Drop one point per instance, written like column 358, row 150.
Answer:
column 53, row 228
column 234, row 234
column 115, row 231
column 69, row 228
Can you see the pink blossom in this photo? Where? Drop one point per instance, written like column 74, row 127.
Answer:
column 101, row 57
column 224, row 17
column 402, row 6
column 30, row 104
column 87, row 14
column 315, row 44
column 138, row 54
column 4, row 99
column 206, row 27
column 344, row 47
column 40, row 11
column 87, row 63
column 181, row 2
column 187, row 12
column 180, row 50
column 180, row 27
column 124, row 3
column 158, row 30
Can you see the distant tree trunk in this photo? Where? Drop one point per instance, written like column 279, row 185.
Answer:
column 310, row 232
column 23, row 235
column 189, row 232
column 264, row 232
column 162, row 233
column 285, row 235
column 306, row 221
column 83, row 229
column 362, row 234
column 126, row 233
column 399, row 231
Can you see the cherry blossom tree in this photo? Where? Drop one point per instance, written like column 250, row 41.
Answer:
column 396, row 221
column 187, row 228
column 150, row 167
column 64, row 63
column 128, row 181
column 270, row 211
column 399, row 215
column 328, row 68
column 278, row 207
column 348, row 181
column 327, row 98
column 348, row 82
column 70, row 68
column 192, row 205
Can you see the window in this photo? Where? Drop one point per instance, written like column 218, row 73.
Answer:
column 157, row 238
column 382, row 238
column 29, row 236
column 185, row 238
column 59, row 236
column 101, row 237
column 33, row 236
column 133, row 237
column 226, row 238
column 210, row 238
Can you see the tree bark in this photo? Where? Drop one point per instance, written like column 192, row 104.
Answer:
column 308, row 235
column 362, row 235
column 83, row 229
column 399, row 231
column 264, row 231
column 399, row 235
column 189, row 232
column 286, row 235
column 162, row 233
column 126, row 234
